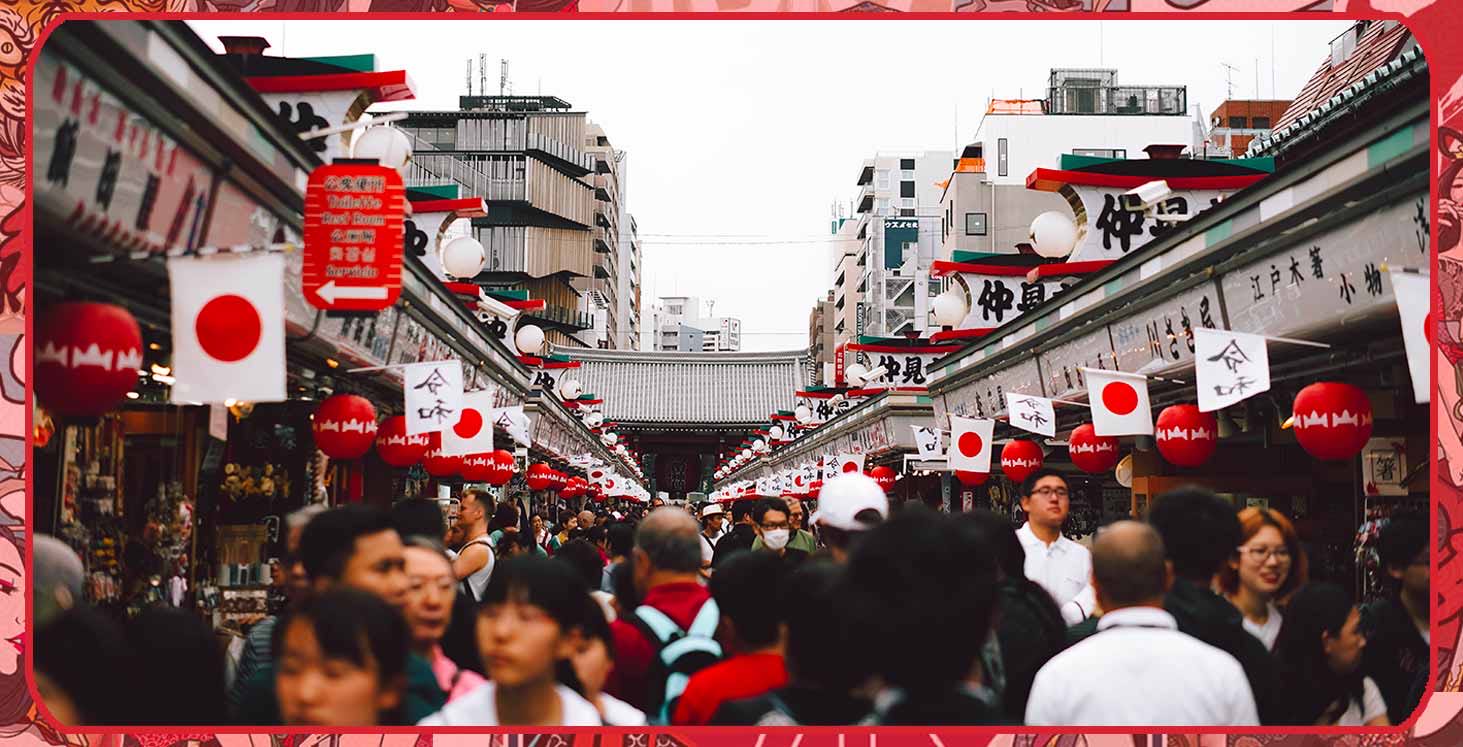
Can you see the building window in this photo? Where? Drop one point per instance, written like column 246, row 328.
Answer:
column 1260, row 123
column 1001, row 157
column 1236, row 123
column 906, row 212
column 906, row 163
column 975, row 224
column 906, row 189
column 1100, row 152
column 883, row 178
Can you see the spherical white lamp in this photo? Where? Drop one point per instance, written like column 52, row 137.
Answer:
column 855, row 374
column 570, row 389
column 949, row 308
column 759, row 446
column 1053, row 234
column 529, row 339
column 609, row 438
column 777, row 433
column 803, row 413
column 386, row 144
column 463, row 257
column 746, row 454
column 594, row 419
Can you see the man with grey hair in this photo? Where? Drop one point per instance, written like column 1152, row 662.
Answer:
column 258, row 649
column 666, row 568
column 1139, row 670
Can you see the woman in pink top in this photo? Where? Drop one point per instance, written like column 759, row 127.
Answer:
column 431, row 589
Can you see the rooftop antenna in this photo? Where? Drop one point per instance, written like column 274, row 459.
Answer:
column 1229, row 71
column 469, row 76
column 482, row 73
column 502, row 77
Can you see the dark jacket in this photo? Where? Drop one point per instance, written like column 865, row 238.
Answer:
column 1030, row 634
column 1210, row 618
column 1395, row 656
column 794, row 705
column 951, row 708
column 424, row 697
column 739, row 538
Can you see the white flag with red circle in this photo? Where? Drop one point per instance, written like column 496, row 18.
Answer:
column 1119, row 403
column 228, row 328
column 473, row 433
column 598, row 474
column 970, row 444
column 850, row 463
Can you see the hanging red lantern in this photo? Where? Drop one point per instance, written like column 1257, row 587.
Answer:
column 557, row 481
column 345, row 426
column 1332, row 420
column 395, row 447
column 577, row 487
column 1019, row 458
column 478, row 467
column 971, row 479
column 814, row 488
column 1185, row 436
column 596, row 493
column 884, row 476
column 87, row 356
column 1092, row 453
column 538, row 476
column 502, row 468
column 438, row 465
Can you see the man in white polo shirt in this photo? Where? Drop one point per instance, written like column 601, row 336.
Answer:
column 1138, row 669
column 1061, row 566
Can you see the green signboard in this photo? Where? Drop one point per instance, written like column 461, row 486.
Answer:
column 899, row 232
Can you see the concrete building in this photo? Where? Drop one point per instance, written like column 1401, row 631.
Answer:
column 821, row 341
column 980, row 216
column 554, row 204
column 847, row 301
column 676, row 314
column 1086, row 113
column 1236, row 123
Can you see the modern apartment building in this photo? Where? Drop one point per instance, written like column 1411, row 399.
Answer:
column 821, row 342
column 548, row 175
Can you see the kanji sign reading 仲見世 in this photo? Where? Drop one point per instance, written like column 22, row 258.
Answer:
column 355, row 215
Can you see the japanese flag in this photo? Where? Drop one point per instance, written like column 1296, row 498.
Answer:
column 970, row 444
column 473, row 433
column 228, row 328
column 1412, row 302
column 597, row 475
column 1119, row 403
column 849, row 463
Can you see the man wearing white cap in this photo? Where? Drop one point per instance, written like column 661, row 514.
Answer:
column 713, row 516
column 849, row 505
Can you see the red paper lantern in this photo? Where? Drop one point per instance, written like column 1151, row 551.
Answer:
column 596, row 493
column 345, row 426
column 502, row 468
column 1092, row 453
column 478, row 467
column 884, row 476
column 87, row 356
column 814, row 488
column 557, row 481
column 538, row 476
column 971, row 479
column 577, row 486
column 1332, row 420
column 395, row 447
column 1185, row 436
column 1019, row 458
column 438, row 465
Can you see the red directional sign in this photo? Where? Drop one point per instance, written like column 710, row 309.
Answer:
column 355, row 218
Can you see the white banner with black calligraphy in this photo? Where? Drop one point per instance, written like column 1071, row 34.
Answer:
column 433, row 396
column 900, row 369
column 927, row 441
column 1032, row 414
column 1229, row 367
column 996, row 299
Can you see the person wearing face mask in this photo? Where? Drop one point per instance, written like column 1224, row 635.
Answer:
column 774, row 529
column 800, row 539
column 1320, row 650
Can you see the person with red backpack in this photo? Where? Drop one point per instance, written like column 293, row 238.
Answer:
column 675, row 606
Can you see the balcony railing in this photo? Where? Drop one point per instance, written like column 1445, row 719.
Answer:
column 560, row 315
column 602, row 243
column 560, row 150
column 1118, row 100
column 435, row 168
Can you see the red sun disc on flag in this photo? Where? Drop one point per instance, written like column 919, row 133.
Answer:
column 970, row 443
column 1120, row 397
column 850, row 466
column 228, row 328
column 469, row 424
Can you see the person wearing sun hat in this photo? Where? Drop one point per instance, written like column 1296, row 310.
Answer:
column 713, row 517
column 849, row 505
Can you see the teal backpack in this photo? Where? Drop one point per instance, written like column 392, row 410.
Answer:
column 678, row 655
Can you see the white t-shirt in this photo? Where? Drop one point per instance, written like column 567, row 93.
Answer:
column 480, row 708
column 1371, row 706
column 478, row 580
column 1268, row 632
column 1139, row 670
column 619, row 713
column 1063, row 568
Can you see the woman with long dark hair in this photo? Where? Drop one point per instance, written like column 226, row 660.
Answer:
column 1320, row 649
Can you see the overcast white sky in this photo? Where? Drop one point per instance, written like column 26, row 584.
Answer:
column 746, row 131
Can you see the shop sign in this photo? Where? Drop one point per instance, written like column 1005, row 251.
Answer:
column 355, row 217
column 899, row 234
column 986, row 397
column 902, row 370
column 110, row 171
column 1162, row 337
column 1061, row 366
column 1114, row 233
column 1332, row 280
column 995, row 300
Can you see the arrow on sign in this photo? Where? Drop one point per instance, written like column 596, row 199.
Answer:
column 332, row 292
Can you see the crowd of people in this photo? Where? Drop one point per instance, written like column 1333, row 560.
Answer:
column 857, row 614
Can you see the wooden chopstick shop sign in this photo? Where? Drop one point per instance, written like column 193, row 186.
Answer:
column 355, row 218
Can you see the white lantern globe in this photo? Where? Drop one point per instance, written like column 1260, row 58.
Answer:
column 384, row 144
column 529, row 339
column 777, row 433
column 803, row 413
column 570, row 389
column 855, row 374
column 609, row 438
column 949, row 308
column 746, row 454
column 759, row 445
column 1053, row 234
column 463, row 257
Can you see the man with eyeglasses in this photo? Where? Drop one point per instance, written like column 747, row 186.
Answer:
column 774, row 529
column 801, row 539
column 1061, row 566
column 1398, row 635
